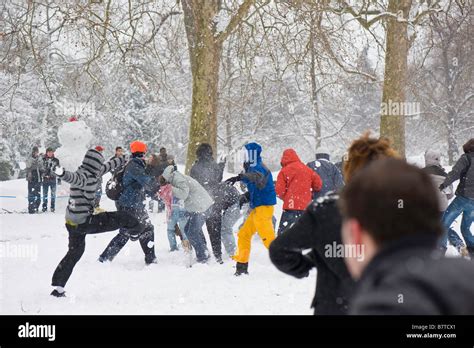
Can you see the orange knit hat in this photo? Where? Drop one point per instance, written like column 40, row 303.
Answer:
column 138, row 146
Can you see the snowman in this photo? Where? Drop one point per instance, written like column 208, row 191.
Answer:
column 75, row 137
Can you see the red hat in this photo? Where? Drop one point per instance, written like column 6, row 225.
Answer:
column 138, row 146
column 99, row 148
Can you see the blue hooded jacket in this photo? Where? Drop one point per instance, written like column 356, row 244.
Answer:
column 258, row 178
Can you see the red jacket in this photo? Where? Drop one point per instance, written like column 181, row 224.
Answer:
column 296, row 182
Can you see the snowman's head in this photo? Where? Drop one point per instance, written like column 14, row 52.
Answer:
column 75, row 134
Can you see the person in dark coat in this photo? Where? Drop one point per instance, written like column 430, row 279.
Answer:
column 390, row 246
column 320, row 226
column 208, row 173
column 80, row 219
column 329, row 174
column 463, row 204
column 34, row 174
column 135, row 182
column 49, row 179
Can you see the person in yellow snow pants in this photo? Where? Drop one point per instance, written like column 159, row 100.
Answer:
column 260, row 221
column 262, row 197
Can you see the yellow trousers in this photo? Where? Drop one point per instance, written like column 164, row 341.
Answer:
column 260, row 221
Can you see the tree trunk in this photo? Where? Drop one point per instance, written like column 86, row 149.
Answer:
column 203, row 128
column 392, row 119
column 205, row 52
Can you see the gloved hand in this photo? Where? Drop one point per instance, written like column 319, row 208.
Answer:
column 58, row 170
column 244, row 198
column 234, row 179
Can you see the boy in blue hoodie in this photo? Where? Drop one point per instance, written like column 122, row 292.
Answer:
column 259, row 181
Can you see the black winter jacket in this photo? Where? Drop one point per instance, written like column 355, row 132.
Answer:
column 463, row 171
column 208, row 173
column 48, row 164
column 318, row 228
column 409, row 277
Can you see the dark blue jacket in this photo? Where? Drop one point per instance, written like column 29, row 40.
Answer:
column 330, row 175
column 258, row 178
column 135, row 181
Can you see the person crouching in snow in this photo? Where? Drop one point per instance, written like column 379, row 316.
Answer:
column 135, row 181
column 196, row 203
column 295, row 185
column 80, row 220
column 259, row 181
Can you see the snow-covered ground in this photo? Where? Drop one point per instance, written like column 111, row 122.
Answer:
column 32, row 245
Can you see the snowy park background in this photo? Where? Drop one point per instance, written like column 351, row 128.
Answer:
column 283, row 73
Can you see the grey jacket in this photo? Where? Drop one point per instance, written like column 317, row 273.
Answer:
column 463, row 171
column 195, row 197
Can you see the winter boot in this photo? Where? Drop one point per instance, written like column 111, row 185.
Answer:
column 219, row 260
column 56, row 293
column 150, row 260
column 241, row 268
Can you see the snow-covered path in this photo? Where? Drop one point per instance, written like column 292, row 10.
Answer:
column 32, row 246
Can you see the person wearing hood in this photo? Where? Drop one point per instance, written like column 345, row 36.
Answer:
column 438, row 175
column 80, row 220
column 328, row 172
column 262, row 197
column 295, row 184
column 196, row 202
column 319, row 229
column 49, row 179
column 463, row 204
column 135, row 182
column 209, row 173
column 34, row 171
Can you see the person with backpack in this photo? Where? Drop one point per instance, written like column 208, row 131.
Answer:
column 463, row 203
column 49, row 179
column 134, row 182
column 80, row 220
column 295, row 185
column 328, row 172
column 209, row 173
column 262, row 197
column 34, row 171
column 438, row 175
column 196, row 202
